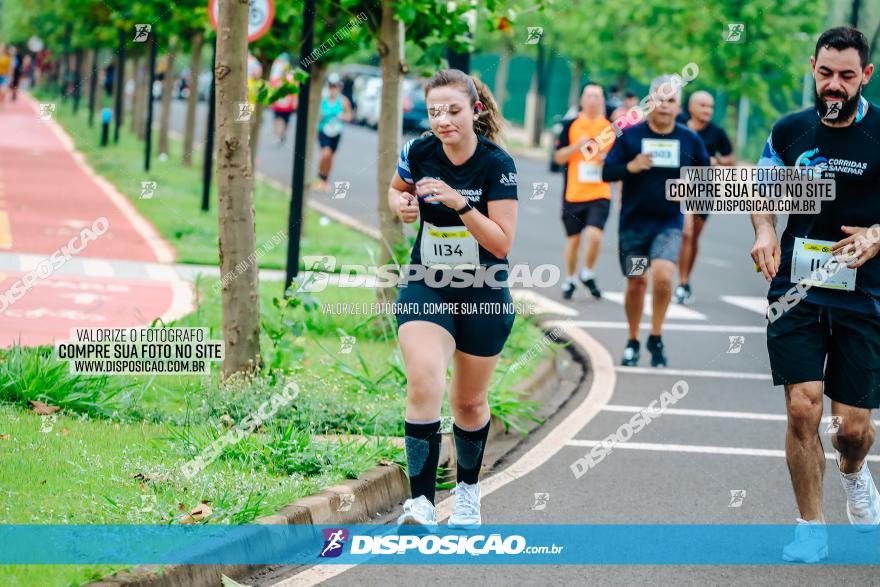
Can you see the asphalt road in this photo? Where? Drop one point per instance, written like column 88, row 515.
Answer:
column 725, row 435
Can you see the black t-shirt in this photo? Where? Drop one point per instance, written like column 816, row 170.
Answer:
column 715, row 139
column 851, row 156
column 489, row 174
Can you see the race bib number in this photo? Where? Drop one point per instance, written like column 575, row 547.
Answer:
column 589, row 172
column 333, row 128
column 665, row 152
column 449, row 246
column 811, row 255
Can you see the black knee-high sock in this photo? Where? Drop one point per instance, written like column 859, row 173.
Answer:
column 469, row 448
column 422, row 457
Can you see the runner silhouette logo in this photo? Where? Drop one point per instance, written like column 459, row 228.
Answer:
column 334, row 541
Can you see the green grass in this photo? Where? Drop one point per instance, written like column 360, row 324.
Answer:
column 175, row 208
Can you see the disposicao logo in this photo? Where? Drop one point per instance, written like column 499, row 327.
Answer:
column 334, row 540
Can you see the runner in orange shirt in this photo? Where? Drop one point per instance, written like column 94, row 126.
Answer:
column 587, row 199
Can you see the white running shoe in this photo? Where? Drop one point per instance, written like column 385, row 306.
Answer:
column 419, row 512
column 862, row 499
column 466, row 513
column 810, row 543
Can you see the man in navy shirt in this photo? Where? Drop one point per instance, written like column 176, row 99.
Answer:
column 823, row 334
column 644, row 157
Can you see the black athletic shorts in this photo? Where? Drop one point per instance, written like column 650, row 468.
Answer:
column 325, row 141
column 576, row 216
column 478, row 318
column 802, row 337
column 283, row 115
column 703, row 217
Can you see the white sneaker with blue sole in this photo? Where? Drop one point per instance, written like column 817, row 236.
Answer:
column 810, row 543
column 862, row 498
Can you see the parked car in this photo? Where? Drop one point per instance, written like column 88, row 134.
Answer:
column 415, row 111
column 368, row 98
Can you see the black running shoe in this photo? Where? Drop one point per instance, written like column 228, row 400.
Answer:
column 567, row 289
column 591, row 285
column 658, row 354
column 631, row 354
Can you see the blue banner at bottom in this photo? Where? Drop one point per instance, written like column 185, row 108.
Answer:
column 672, row 544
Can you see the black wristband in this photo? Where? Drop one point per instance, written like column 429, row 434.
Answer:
column 467, row 207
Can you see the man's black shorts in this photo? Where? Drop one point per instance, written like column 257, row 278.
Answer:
column 576, row 216
column 802, row 337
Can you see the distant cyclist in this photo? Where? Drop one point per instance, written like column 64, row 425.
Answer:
column 586, row 199
column 335, row 112
column 462, row 188
column 645, row 156
column 701, row 106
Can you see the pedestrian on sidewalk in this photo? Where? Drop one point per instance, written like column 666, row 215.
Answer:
column 462, row 188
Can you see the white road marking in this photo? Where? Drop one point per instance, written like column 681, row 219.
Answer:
column 29, row 262
column 674, row 312
column 158, row 272
column 693, row 373
column 754, row 304
column 542, row 305
column 725, row 328
column 83, row 299
column 690, row 448
column 709, row 413
column 713, row 261
column 599, row 395
column 97, row 268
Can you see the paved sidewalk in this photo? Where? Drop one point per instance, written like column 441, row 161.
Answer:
column 48, row 196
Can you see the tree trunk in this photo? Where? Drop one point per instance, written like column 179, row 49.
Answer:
column 319, row 74
column 167, row 90
column 391, row 55
column 235, row 204
column 501, row 75
column 260, row 108
column 574, row 93
column 189, row 129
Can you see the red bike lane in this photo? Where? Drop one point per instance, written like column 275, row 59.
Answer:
column 55, row 212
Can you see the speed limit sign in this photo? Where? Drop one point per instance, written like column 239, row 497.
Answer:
column 261, row 13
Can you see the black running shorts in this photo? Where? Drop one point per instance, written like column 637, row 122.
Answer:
column 576, row 216
column 478, row 318
column 801, row 339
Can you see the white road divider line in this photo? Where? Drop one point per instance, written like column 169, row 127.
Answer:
column 692, row 373
column 725, row 328
column 97, row 268
column 691, row 448
column 754, row 304
column 675, row 311
column 709, row 413
column 543, row 305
